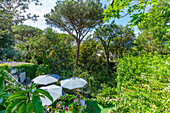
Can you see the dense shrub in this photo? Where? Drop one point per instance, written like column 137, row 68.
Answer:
column 142, row 83
column 12, row 54
column 52, row 52
column 30, row 69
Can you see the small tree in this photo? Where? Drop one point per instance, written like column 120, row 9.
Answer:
column 106, row 34
column 76, row 17
column 123, row 42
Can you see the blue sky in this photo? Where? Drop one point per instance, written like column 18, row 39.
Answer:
column 46, row 7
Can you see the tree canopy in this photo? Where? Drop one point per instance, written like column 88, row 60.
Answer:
column 76, row 17
column 155, row 31
column 121, row 8
column 11, row 13
column 106, row 34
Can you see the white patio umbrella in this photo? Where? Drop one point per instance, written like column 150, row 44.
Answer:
column 54, row 90
column 54, row 75
column 73, row 82
column 44, row 79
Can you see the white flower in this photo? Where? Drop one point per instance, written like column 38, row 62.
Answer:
column 129, row 104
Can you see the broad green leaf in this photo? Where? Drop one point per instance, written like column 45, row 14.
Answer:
column 1, row 100
column 1, row 82
column 37, row 104
column 46, row 93
column 26, row 108
column 17, row 94
column 18, row 97
column 23, row 108
column 17, row 108
column 13, row 105
column 5, row 74
column 29, row 108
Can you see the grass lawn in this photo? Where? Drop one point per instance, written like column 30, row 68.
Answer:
column 97, row 108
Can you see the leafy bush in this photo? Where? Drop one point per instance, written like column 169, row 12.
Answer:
column 30, row 69
column 12, row 54
column 108, row 92
column 142, row 83
column 52, row 52
column 105, row 101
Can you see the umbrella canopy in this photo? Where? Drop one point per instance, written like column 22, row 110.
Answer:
column 44, row 79
column 54, row 75
column 54, row 90
column 73, row 82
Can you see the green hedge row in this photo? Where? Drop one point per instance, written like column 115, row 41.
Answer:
column 143, row 84
column 30, row 69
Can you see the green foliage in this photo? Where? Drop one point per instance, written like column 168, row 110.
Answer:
column 97, row 80
column 6, row 39
column 115, row 40
column 105, row 101
column 115, row 10
column 3, row 97
column 24, row 32
column 106, row 96
column 11, row 14
column 45, row 93
column 37, row 104
column 97, row 108
column 68, row 100
column 93, row 85
column 142, row 83
column 27, row 100
column 106, row 34
column 52, row 51
column 123, row 43
column 30, row 69
column 20, row 100
column 65, row 104
column 3, row 76
column 26, row 108
column 88, row 54
column 155, row 31
column 108, row 92
column 76, row 17
column 12, row 54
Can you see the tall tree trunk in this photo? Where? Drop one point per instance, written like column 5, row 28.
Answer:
column 107, row 59
column 27, row 59
column 77, row 53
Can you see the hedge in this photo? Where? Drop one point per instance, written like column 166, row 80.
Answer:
column 143, row 84
column 30, row 69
